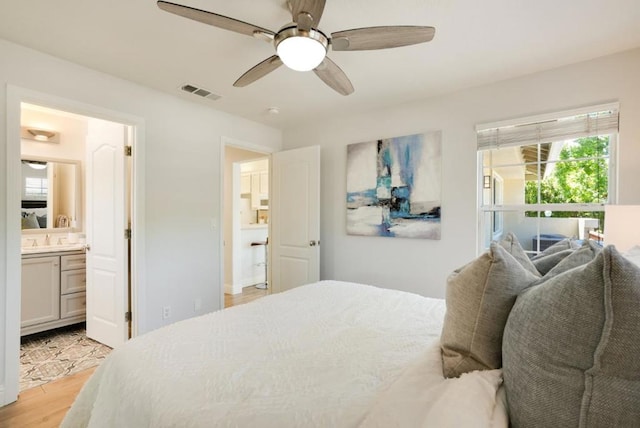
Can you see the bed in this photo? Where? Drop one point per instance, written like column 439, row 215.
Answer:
column 523, row 342
column 329, row 354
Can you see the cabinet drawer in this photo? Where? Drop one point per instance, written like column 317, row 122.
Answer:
column 73, row 281
column 76, row 261
column 72, row 305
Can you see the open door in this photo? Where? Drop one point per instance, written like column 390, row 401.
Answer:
column 107, row 269
column 294, row 240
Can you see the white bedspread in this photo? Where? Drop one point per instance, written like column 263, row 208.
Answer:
column 330, row 354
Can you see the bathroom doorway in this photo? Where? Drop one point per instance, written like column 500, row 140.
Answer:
column 53, row 336
column 73, row 222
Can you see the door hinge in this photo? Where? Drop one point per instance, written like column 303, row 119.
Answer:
column 127, row 150
column 127, row 234
column 127, row 316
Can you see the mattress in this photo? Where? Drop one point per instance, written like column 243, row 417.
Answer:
column 328, row 354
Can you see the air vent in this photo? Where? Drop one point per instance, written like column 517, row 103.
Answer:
column 204, row 93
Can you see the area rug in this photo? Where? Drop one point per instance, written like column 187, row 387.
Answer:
column 54, row 354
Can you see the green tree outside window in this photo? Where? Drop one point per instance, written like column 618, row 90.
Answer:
column 574, row 178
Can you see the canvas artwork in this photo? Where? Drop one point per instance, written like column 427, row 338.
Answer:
column 394, row 187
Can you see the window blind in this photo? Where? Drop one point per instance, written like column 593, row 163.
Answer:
column 563, row 127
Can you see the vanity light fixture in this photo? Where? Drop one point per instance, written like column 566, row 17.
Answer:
column 35, row 164
column 41, row 135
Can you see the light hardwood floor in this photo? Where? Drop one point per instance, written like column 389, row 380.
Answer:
column 248, row 294
column 46, row 405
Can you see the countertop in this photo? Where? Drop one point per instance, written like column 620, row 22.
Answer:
column 255, row 226
column 41, row 249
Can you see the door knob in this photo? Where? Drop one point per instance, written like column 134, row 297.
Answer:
column 87, row 247
column 313, row 243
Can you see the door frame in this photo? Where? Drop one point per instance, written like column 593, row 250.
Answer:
column 15, row 96
column 225, row 142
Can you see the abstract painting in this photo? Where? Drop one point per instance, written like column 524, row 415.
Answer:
column 394, row 187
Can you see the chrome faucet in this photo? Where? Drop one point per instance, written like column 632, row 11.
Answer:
column 47, row 240
column 35, row 242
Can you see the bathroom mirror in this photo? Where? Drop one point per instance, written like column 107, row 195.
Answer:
column 51, row 195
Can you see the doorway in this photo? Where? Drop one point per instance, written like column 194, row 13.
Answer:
column 54, row 342
column 246, row 224
column 75, row 223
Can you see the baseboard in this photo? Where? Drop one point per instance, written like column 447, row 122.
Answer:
column 247, row 282
column 4, row 400
column 233, row 289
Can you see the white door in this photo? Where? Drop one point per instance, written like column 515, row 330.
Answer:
column 294, row 241
column 107, row 296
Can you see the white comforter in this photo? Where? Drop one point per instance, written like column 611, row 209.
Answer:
column 330, row 354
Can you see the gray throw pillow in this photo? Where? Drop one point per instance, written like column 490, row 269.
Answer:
column 584, row 255
column 42, row 221
column 479, row 298
column 571, row 346
column 548, row 262
column 512, row 245
column 30, row 221
column 562, row 245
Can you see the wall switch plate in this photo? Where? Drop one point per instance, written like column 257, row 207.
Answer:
column 197, row 304
column 166, row 312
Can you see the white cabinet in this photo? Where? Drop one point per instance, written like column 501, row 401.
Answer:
column 256, row 184
column 264, row 183
column 40, row 290
column 245, row 183
column 260, row 190
column 53, row 291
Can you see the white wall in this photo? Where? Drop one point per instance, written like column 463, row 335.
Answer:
column 182, row 145
column 421, row 266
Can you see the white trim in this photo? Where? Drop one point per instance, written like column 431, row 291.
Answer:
column 543, row 207
column 548, row 116
column 497, row 179
column 13, row 259
column 480, row 235
column 613, row 166
column 239, row 288
column 15, row 96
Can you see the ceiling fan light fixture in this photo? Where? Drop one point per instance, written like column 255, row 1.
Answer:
column 301, row 50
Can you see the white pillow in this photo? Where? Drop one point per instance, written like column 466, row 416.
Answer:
column 421, row 397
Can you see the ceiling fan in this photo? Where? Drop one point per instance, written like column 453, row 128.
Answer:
column 301, row 46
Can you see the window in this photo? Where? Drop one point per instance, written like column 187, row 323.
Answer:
column 549, row 177
column 497, row 193
column 36, row 188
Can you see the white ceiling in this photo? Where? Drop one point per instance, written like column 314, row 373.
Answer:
column 476, row 42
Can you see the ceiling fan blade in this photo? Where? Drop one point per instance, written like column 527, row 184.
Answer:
column 214, row 19
column 258, row 71
column 306, row 13
column 369, row 38
column 334, row 77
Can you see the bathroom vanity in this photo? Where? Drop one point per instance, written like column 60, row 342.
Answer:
column 53, row 289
